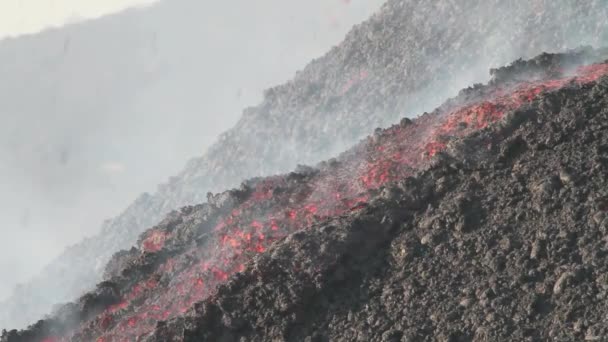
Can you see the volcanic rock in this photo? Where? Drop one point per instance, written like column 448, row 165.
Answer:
column 549, row 294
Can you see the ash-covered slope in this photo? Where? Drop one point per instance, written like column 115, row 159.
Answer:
column 490, row 209
column 411, row 54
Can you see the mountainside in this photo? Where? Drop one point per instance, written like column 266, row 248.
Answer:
column 491, row 209
column 99, row 111
column 405, row 59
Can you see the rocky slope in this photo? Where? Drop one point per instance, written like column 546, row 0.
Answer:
column 506, row 243
column 483, row 220
column 503, row 238
column 406, row 58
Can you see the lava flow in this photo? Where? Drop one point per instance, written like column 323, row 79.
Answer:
column 280, row 205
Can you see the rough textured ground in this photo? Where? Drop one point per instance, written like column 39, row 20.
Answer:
column 510, row 247
column 411, row 54
column 501, row 244
column 499, row 235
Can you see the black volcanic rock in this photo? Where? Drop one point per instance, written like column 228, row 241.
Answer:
column 504, row 249
column 406, row 58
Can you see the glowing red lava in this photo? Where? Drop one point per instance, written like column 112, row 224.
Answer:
column 155, row 241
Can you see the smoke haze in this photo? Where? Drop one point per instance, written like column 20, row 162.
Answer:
column 97, row 112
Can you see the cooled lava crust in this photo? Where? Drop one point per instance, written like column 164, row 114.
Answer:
column 486, row 220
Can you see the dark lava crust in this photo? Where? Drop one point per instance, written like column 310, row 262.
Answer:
column 504, row 237
column 508, row 244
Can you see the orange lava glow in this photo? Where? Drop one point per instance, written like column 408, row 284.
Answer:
column 155, row 241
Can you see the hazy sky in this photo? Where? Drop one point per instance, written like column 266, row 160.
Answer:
column 28, row 16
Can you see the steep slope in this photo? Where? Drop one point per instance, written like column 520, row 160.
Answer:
column 464, row 185
column 393, row 65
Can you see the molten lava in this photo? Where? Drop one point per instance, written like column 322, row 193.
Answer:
column 155, row 241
